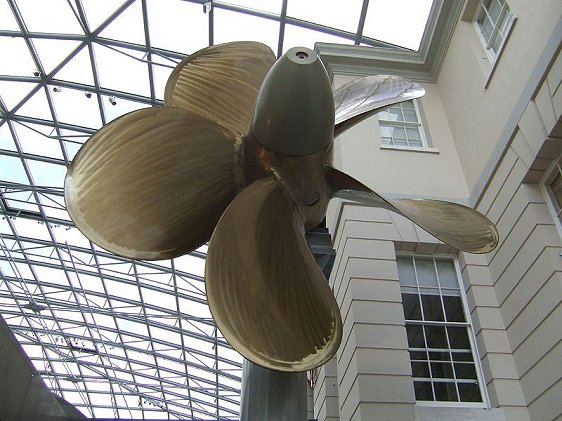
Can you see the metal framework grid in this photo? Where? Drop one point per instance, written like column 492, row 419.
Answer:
column 117, row 338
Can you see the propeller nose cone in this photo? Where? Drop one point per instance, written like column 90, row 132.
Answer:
column 294, row 111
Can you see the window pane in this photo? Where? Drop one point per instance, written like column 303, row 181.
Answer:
column 418, row 355
column 400, row 142
column 413, row 133
column 395, row 114
column 470, row 392
column 410, row 116
column 557, row 190
column 458, row 337
column 453, row 309
column 504, row 24
column 406, row 272
column 496, row 43
column 445, row 391
column 412, row 309
column 386, row 130
column 494, row 10
column 423, row 391
column 447, row 274
column 420, row 369
column 487, row 28
column 426, row 272
column 440, row 356
column 462, row 356
column 407, row 105
column 465, row 371
column 432, row 308
column 398, row 133
column 415, row 336
column 442, row 370
column 436, row 337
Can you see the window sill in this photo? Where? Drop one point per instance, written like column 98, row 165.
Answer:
column 450, row 404
column 410, row 149
column 495, row 58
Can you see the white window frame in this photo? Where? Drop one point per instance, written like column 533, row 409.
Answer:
column 546, row 182
column 419, row 124
column 505, row 20
column 471, row 337
column 492, row 54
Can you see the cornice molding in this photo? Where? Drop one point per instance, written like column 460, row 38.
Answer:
column 423, row 65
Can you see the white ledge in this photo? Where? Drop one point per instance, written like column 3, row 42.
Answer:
column 410, row 149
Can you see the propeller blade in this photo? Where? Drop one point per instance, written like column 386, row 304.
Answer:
column 221, row 82
column 266, row 293
column 363, row 97
column 153, row 183
column 457, row 225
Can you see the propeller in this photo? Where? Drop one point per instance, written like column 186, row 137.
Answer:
column 241, row 156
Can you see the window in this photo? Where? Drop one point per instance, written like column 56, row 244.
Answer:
column 494, row 19
column 400, row 125
column 440, row 338
column 552, row 185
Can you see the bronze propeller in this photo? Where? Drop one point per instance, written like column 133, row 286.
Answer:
column 241, row 156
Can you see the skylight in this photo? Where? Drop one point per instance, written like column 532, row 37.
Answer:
column 116, row 337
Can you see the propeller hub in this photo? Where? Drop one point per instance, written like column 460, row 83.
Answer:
column 294, row 111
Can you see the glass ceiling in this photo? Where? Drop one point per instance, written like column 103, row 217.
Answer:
column 113, row 336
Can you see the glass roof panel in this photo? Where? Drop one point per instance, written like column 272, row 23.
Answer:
column 34, row 139
column 7, row 19
column 297, row 36
column 12, row 93
column 177, row 25
column 52, row 52
column 20, row 201
column 114, row 107
column 37, row 106
column 235, row 26
column 75, row 108
column 335, row 14
column 78, row 69
column 402, row 22
column 270, row 6
column 161, row 70
column 6, row 140
column 133, row 72
column 128, row 26
column 119, row 337
column 46, row 173
column 16, row 47
column 98, row 11
column 55, row 16
column 12, row 170
column 53, row 206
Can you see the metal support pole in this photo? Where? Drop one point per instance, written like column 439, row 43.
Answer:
column 271, row 395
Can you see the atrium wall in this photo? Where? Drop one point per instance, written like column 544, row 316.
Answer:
column 495, row 137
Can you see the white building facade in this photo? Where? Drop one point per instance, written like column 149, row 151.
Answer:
column 431, row 332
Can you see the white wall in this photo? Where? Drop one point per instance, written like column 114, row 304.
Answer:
column 494, row 145
column 479, row 116
column 436, row 173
